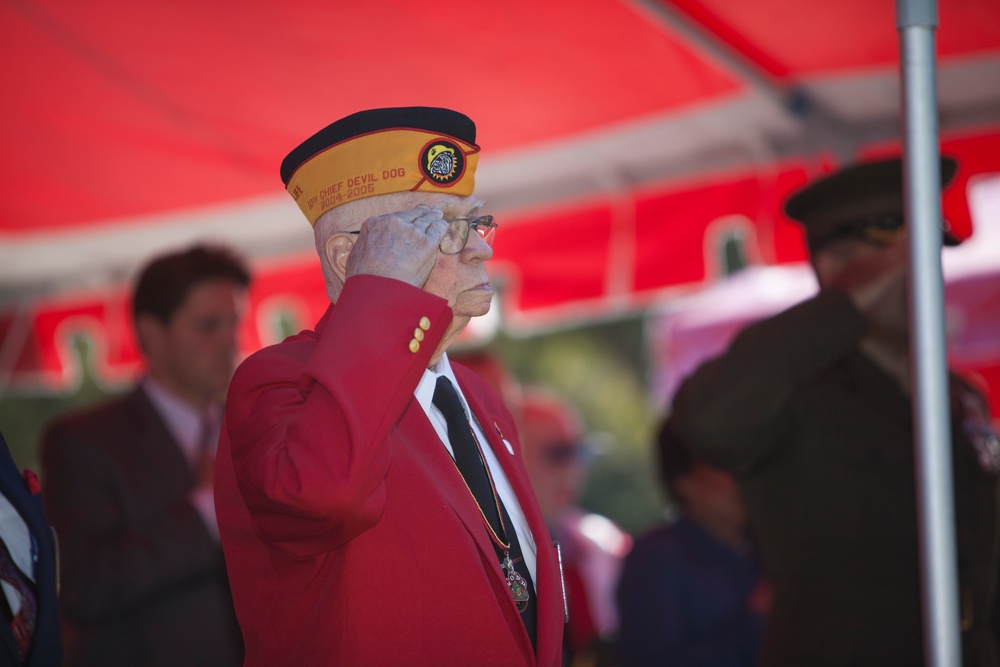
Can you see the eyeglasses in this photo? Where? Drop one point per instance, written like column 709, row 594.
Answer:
column 457, row 236
column 878, row 230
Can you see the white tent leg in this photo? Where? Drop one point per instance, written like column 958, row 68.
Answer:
column 916, row 21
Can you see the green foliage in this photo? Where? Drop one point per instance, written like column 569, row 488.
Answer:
column 23, row 417
column 601, row 369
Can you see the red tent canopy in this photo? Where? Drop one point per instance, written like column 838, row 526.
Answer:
column 627, row 146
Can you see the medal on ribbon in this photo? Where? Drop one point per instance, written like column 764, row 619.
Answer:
column 975, row 419
column 518, row 586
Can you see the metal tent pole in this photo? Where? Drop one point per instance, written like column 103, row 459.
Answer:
column 916, row 21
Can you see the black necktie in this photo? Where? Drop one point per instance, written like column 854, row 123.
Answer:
column 469, row 461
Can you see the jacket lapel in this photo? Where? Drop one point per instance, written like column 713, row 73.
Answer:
column 160, row 450
column 546, row 568
column 440, row 467
column 30, row 509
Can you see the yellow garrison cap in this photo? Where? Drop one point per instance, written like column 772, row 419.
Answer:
column 379, row 151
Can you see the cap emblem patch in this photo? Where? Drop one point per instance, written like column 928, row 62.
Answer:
column 442, row 162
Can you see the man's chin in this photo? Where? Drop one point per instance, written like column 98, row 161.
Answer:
column 219, row 383
column 472, row 306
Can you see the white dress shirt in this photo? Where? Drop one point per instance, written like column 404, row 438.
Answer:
column 186, row 425
column 15, row 534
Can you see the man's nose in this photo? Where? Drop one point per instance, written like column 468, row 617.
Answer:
column 477, row 247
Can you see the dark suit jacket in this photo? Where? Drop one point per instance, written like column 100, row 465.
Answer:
column 46, row 647
column 351, row 536
column 822, row 443
column 143, row 582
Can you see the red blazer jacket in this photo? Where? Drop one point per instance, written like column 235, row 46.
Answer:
column 349, row 534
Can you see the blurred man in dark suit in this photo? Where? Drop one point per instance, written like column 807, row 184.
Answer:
column 130, row 482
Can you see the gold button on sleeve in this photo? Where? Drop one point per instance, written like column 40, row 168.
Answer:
column 418, row 334
column 414, row 345
column 425, row 323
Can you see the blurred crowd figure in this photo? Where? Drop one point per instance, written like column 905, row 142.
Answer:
column 692, row 591
column 556, row 454
column 31, row 635
column 811, row 411
column 129, row 482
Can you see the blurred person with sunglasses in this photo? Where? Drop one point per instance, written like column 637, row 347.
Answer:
column 557, row 454
column 372, row 502
column 811, row 411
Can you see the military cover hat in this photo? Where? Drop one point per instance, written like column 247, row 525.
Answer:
column 863, row 200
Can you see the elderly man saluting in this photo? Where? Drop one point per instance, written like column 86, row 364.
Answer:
column 371, row 497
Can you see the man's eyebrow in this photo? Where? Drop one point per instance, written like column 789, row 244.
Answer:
column 476, row 205
column 457, row 210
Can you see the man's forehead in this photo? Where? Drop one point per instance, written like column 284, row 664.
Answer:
column 352, row 214
column 207, row 295
column 448, row 204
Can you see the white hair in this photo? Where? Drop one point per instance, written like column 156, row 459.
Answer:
column 346, row 217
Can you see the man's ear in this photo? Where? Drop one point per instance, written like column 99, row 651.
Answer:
column 337, row 249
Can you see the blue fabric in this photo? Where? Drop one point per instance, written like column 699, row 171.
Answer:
column 46, row 648
column 684, row 601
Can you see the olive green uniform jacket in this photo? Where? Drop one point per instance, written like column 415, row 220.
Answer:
column 821, row 441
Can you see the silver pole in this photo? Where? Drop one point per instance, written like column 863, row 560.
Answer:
column 917, row 20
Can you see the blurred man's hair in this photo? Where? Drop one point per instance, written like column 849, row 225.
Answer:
column 165, row 282
column 674, row 458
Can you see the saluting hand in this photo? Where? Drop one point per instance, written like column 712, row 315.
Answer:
column 869, row 274
column 400, row 245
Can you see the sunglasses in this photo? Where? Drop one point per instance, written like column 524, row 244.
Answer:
column 564, row 453
column 879, row 230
